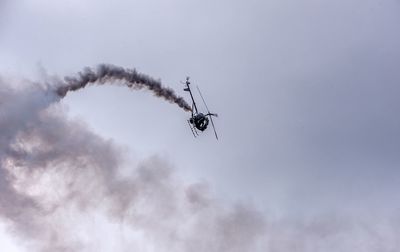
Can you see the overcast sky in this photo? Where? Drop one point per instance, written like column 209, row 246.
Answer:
column 307, row 92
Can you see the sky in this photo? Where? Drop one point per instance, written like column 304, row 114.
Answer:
column 306, row 92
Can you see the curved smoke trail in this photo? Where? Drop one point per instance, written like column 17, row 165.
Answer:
column 109, row 73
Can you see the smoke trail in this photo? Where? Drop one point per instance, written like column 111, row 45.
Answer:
column 64, row 188
column 55, row 175
column 110, row 73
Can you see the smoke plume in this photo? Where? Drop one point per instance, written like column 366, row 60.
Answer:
column 106, row 73
column 57, row 178
column 64, row 188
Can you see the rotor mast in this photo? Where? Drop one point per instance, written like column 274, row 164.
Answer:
column 191, row 95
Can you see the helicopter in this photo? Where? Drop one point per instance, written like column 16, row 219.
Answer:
column 198, row 120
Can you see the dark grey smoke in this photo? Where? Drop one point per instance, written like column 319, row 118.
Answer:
column 110, row 73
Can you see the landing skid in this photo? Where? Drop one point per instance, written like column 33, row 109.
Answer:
column 194, row 131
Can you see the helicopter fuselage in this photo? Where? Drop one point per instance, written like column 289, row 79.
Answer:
column 200, row 121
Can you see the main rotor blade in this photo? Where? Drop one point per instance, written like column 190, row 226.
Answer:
column 198, row 89
column 212, row 123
